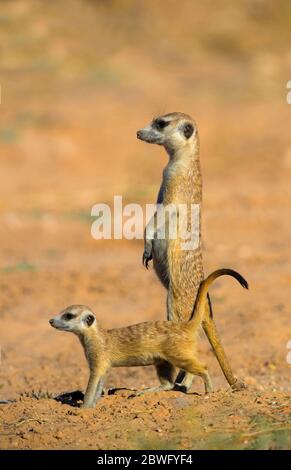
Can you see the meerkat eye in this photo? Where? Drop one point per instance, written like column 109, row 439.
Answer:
column 89, row 319
column 160, row 124
column 68, row 316
column 188, row 130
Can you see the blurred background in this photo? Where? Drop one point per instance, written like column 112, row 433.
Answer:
column 78, row 78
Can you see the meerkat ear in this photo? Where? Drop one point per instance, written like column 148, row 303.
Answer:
column 89, row 319
column 188, row 130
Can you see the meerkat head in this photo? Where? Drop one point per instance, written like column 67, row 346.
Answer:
column 174, row 131
column 76, row 318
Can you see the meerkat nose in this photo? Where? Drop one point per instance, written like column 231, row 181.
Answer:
column 51, row 321
column 138, row 134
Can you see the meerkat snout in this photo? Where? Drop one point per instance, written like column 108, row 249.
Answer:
column 150, row 136
column 75, row 318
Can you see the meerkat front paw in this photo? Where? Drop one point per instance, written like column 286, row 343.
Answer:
column 146, row 258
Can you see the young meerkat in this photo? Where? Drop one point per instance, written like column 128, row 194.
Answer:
column 165, row 344
column 181, row 270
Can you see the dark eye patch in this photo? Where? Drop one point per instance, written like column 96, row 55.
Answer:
column 90, row 319
column 160, row 124
column 68, row 316
column 188, row 130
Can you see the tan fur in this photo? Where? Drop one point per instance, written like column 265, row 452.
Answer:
column 181, row 271
column 165, row 344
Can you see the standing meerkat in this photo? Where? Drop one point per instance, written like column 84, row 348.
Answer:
column 165, row 344
column 181, row 270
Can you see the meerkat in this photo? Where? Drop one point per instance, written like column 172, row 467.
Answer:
column 181, row 270
column 164, row 344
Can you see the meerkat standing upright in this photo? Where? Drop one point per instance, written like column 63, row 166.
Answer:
column 181, row 270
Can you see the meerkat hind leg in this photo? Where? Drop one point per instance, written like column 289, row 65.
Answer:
column 184, row 380
column 193, row 367
column 207, row 382
column 165, row 372
column 210, row 330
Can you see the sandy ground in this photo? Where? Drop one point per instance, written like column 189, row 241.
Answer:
column 67, row 142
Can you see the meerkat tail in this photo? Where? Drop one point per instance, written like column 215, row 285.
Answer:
column 199, row 306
